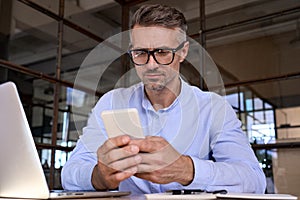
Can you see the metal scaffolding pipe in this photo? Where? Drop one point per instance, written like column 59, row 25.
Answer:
column 202, row 15
column 276, row 145
column 41, row 75
column 56, row 92
column 202, row 38
column 249, row 21
column 282, row 77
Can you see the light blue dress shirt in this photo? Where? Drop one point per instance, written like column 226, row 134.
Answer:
column 199, row 124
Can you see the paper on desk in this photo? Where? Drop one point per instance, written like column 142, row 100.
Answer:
column 256, row 196
column 209, row 196
column 166, row 196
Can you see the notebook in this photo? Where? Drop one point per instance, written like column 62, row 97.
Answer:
column 21, row 173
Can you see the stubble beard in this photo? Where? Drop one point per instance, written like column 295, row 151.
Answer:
column 158, row 85
column 155, row 85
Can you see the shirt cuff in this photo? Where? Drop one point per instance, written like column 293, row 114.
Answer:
column 86, row 177
column 203, row 173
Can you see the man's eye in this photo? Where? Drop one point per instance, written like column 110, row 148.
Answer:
column 139, row 53
column 163, row 52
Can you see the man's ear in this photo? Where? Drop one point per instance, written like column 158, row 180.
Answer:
column 184, row 51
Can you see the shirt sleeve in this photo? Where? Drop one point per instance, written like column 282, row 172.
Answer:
column 77, row 172
column 235, row 167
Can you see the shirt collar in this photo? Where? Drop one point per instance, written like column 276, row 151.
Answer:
column 148, row 106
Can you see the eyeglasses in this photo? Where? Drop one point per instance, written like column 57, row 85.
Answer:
column 162, row 56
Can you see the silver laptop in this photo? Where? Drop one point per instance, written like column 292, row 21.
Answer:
column 21, row 173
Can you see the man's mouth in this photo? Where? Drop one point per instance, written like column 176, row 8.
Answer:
column 153, row 75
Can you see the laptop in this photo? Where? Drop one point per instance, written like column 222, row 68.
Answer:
column 21, row 173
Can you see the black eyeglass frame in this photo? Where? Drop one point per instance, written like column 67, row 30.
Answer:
column 152, row 53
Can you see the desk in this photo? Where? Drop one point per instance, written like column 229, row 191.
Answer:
column 130, row 197
column 143, row 197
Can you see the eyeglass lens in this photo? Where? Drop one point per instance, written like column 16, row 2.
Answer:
column 161, row 56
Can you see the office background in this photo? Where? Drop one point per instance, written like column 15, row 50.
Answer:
column 254, row 43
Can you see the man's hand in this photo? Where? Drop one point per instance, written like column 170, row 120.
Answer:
column 117, row 161
column 161, row 163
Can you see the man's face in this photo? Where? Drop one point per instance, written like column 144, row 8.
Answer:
column 156, row 76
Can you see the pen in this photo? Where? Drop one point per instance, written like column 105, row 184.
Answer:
column 190, row 191
column 218, row 192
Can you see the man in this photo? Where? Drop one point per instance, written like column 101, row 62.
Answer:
column 193, row 138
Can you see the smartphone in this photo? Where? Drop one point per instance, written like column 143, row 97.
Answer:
column 122, row 122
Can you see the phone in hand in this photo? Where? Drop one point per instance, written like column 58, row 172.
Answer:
column 122, row 122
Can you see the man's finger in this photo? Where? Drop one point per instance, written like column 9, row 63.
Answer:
column 113, row 143
column 151, row 144
column 122, row 175
column 124, row 161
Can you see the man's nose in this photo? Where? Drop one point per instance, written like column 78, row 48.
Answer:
column 152, row 64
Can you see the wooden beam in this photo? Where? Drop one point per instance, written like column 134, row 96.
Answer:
column 130, row 2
